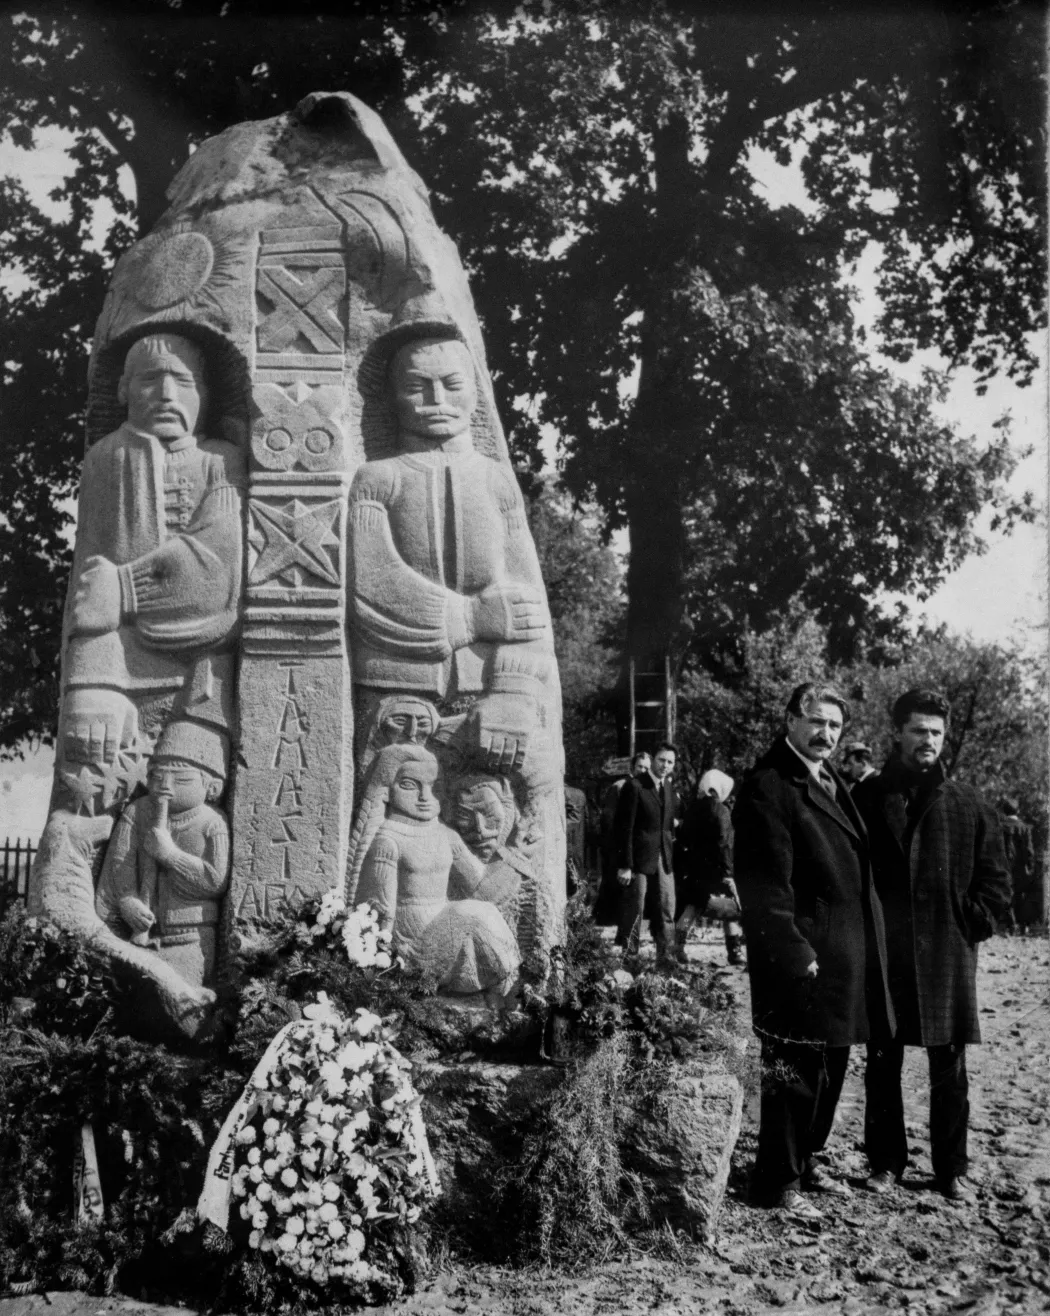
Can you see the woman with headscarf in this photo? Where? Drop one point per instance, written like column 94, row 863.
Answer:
column 706, row 848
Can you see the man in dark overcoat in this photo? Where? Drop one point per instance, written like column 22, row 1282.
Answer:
column 643, row 830
column 816, row 944
column 940, row 871
column 610, row 892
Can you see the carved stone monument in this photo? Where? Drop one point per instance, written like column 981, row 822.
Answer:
column 301, row 550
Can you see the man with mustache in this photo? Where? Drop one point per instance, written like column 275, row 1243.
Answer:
column 445, row 586
column 940, row 871
column 815, row 940
column 155, row 588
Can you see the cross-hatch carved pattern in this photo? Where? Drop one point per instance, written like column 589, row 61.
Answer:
column 305, row 302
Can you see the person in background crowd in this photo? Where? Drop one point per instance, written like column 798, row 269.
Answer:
column 644, row 832
column 940, row 871
column 706, row 864
column 815, row 944
column 607, row 906
column 1020, row 863
column 857, row 764
column 575, row 828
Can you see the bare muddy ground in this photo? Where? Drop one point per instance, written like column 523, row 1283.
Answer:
column 910, row 1251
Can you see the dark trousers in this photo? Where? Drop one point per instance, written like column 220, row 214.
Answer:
column 648, row 896
column 885, row 1140
column 801, row 1086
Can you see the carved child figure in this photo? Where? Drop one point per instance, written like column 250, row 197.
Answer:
column 424, row 881
column 168, row 862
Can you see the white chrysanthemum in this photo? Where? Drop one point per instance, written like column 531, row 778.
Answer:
column 286, row 1243
column 284, row 1144
column 269, row 1167
column 255, row 1238
column 271, row 1126
column 355, row 1242
column 310, row 1159
column 365, row 1022
column 255, row 1174
column 331, row 1191
column 336, row 1229
column 238, row 1185
column 394, row 1126
column 314, row 1194
column 294, row 1225
column 326, row 1042
column 329, row 1211
column 314, row 1106
column 279, row 1102
column 247, row 1134
column 296, row 1084
column 319, row 1273
column 328, row 1134
column 260, row 1220
column 289, row 1177
column 264, row 1192
column 382, row 960
column 254, row 1156
column 245, row 1211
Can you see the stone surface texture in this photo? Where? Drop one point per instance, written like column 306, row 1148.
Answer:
column 682, row 1145
column 300, row 536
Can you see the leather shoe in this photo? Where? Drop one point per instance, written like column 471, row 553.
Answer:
column 882, row 1181
column 817, row 1180
column 959, row 1190
column 793, row 1204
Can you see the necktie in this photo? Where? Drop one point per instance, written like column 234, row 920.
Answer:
column 827, row 783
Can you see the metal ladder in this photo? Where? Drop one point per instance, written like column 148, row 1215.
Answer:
column 652, row 706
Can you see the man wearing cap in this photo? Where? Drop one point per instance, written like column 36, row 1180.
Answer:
column 857, row 765
column 167, row 865
column 155, row 588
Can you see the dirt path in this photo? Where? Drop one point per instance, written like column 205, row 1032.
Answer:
column 909, row 1251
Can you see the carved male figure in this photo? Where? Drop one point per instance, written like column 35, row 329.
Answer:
column 447, row 597
column 168, row 862
column 154, row 593
column 484, row 814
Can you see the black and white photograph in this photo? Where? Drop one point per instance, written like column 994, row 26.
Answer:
column 524, row 726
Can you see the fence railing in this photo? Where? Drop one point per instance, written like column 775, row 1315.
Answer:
column 16, row 859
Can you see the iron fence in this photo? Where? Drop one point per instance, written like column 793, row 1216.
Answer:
column 16, row 859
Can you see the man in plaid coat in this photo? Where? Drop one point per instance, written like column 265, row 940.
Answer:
column 940, row 872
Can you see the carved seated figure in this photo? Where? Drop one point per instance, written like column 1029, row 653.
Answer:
column 423, row 880
column 446, row 592
column 167, row 866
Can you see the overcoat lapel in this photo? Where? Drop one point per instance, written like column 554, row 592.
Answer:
column 818, row 796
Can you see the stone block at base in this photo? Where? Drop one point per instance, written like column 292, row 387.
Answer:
column 681, row 1144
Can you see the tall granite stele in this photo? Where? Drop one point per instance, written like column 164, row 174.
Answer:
column 301, row 550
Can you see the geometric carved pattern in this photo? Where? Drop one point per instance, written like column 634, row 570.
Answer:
column 296, row 426
column 304, row 303
column 295, row 541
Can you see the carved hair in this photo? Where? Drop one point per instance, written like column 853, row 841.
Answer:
column 372, row 809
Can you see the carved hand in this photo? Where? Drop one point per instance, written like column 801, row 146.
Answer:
column 623, row 876
column 136, row 914
column 96, row 603
column 158, row 845
column 507, row 612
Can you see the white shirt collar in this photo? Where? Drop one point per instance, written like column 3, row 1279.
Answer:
column 814, row 765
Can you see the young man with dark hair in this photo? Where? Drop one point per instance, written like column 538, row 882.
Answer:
column 940, row 871
column 644, row 836
column 815, row 944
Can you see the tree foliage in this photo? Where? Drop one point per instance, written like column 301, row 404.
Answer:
column 692, row 343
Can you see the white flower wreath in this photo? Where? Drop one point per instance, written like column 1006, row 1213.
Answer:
column 332, row 1145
